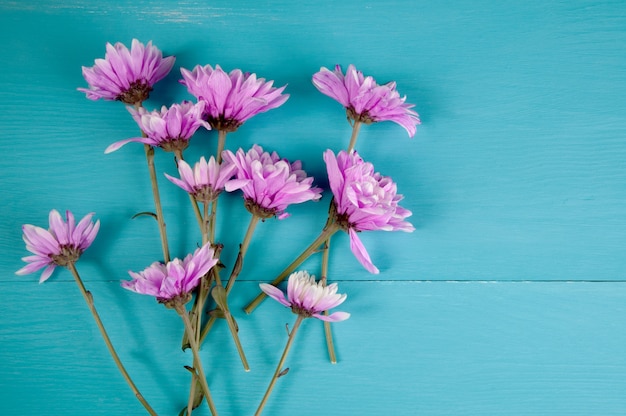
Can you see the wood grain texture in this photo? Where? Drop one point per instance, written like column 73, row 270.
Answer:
column 508, row 299
column 436, row 348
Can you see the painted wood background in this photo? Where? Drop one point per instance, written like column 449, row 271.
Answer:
column 508, row 299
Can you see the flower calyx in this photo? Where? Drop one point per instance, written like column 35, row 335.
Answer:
column 177, row 302
column 363, row 117
column 221, row 123
column 175, row 145
column 69, row 255
column 137, row 92
column 259, row 211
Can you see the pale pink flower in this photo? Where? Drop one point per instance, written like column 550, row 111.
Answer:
column 174, row 280
column 269, row 183
column 124, row 75
column 62, row 244
column 308, row 298
column 231, row 98
column 170, row 129
column 364, row 200
column 205, row 181
column 364, row 100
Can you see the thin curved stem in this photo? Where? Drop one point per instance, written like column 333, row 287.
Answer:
column 330, row 345
column 149, row 150
column 243, row 249
column 194, row 203
column 89, row 299
column 330, row 229
column 205, row 223
column 180, row 308
column 279, row 369
column 221, row 142
column 355, row 134
column 220, row 297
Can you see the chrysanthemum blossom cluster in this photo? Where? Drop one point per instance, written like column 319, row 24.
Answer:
column 126, row 76
column 175, row 280
column 269, row 184
column 205, row 181
column 62, row 244
column 366, row 101
column 364, row 200
column 170, row 129
column 231, row 98
column 309, row 298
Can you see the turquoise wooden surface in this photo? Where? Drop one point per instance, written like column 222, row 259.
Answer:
column 509, row 297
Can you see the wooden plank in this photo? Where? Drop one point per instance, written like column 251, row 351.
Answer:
column 435, row 348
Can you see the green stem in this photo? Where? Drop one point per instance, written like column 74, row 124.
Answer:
column 211, row 220
column 192, row 199
column 205, row 223
column 330, row 229
column 355, row 134
column 243, row 249
column 180, row 308
column 330, row 345
column 220, row 297
column 149, row 150
column 221, row 141
column 89, row 299
column 279, row 371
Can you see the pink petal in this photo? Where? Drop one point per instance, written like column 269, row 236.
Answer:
column 47, row 273
column 275, row 293
column 359, row 251
column 333, row 317
column 121, row 143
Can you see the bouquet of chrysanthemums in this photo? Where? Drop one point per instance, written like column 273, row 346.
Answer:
column 362, row 199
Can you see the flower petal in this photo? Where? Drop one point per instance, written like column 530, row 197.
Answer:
column 333, row 317
column 275, row 293
column 359, row 251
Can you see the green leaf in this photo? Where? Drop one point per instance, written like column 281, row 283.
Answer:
column 219, row 294
column 145, row 213
column 198, row 393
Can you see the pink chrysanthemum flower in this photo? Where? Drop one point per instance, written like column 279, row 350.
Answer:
column 364, row 100
column 174, row 281
column 307, row 298
column 170, row 129
column 231, row 98
column 364, row 200
column 269, row 183
column 205, row 181
column 126, row 76
column 62, row 244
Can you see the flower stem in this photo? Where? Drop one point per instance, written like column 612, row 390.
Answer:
column 330, row 229
column 220, row 297
column 221, row 142
column 330, row 345
column 211, row 220
column 355, row 134
column 180, row 308
column 205, row 223
column 89, row 299
column 279, row 371
column 243, row 249
column 194, row 203
column 149, row 150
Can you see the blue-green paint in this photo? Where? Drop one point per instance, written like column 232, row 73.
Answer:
column 516, row 174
